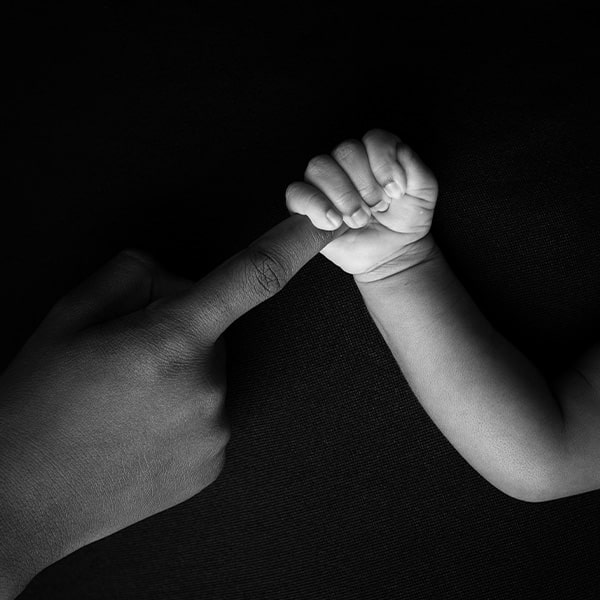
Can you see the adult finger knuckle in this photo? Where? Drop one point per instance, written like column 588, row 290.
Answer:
column 130, row 356
column 176, row 342
column 205, row 407
column 346, row 150
column 318, row 166
column 267, row 273
column 161, row 346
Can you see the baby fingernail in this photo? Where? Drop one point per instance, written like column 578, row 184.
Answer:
column 360, row 218
column 334, row 218
column 394, row 190
column 382, row 205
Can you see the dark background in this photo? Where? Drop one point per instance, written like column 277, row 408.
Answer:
column 176, row 130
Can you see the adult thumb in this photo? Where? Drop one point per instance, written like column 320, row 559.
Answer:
column 249, row 277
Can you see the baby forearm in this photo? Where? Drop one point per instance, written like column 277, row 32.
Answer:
column 482, row 393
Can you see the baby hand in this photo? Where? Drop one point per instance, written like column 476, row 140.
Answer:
column 383, row 193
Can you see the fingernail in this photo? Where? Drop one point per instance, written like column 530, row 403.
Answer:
column 394, row 190
column 382, row 205
column 334, row 218
column 360, row 218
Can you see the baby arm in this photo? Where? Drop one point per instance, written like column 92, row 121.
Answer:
column 532, row 438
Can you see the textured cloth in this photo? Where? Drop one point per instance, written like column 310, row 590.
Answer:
column 156, row 130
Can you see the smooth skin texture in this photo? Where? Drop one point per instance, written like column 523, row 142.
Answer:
column 114, row 408
column 387, row 208
column 533, row 439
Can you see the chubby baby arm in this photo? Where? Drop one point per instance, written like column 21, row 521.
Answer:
column 532, row 439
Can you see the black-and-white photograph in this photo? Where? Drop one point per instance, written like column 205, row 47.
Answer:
column 301, row 302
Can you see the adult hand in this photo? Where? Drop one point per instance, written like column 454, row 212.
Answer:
column 114, row 409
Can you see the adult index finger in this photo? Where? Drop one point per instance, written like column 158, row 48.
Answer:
column 250, row 277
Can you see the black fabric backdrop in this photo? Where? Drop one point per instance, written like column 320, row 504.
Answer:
column 158, row 128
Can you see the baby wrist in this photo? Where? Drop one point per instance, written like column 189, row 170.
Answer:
column 414, row 254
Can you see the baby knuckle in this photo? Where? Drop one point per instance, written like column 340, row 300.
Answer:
column 383, row 172
column 304, row 200
column 311, row 199
column 346, row 150
column 347, row 199
column 369, row 194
